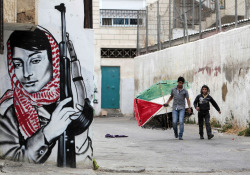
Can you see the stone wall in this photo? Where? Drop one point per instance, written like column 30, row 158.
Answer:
column 21, row 11
column 10, row 11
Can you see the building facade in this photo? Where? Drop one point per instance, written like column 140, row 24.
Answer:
column 115, row 26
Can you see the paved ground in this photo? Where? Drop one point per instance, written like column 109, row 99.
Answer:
column 158, row 152
column 147, row 151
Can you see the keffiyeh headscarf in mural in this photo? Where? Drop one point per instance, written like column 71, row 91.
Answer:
column 24, row 102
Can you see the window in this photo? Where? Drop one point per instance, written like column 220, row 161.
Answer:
column 133, row 21
column 124, row 18
column 106, row 21
column 126, row 21
column 118, row 21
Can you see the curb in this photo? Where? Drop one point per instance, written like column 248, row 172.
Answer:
column 123, row 169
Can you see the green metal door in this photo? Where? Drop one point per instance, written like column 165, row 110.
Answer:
column 110, row 87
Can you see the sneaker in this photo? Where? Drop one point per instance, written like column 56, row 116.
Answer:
column 176, row 135
column 210, row 136
column 201, row 137
column 180, row 138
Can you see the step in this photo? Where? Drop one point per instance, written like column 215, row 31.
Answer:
column 111, row 113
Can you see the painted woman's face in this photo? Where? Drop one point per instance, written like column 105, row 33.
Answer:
column 32, row 68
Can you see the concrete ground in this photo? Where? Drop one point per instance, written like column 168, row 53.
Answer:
column 151, row 152
column 158, row 152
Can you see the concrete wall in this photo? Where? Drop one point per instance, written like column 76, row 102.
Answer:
column 220, row 61
column 83, row 40
column 230, row 7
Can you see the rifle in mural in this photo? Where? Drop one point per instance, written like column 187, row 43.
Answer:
column 66, row 143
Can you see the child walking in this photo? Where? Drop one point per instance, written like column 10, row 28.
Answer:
column 201, row 104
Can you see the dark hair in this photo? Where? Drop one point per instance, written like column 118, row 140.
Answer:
column 181, row 79
column 205, row 86
column 30, row 40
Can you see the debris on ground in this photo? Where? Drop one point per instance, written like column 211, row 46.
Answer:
column 114, row 136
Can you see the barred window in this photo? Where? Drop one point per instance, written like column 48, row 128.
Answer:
column 107, row 21
column 118, row 21
column 133, row 21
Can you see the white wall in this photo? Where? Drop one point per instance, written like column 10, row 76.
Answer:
column 151, row 1
column 4, row 75
column 221, row 62
column 122, row 4
column 83, row 40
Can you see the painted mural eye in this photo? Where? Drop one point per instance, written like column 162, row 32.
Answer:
column 17, row 64
column 36, row 60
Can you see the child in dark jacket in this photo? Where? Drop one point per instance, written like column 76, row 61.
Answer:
column 201, row 104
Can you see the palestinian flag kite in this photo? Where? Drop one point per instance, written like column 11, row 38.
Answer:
column 149, row 103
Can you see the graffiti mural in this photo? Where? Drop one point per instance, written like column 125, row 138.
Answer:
column 38, row 109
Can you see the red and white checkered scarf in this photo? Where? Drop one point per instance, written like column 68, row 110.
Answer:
column 24, row 102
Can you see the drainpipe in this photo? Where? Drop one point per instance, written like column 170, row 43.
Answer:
column 185, row 20
column 147, row 29
column 236, row 14
column 218, row 9
column 158, row 26
column 88, row 15
column 200, row 35
column 138, row 35
column 170, row 33
column 1, row 27
column 246, row 8
column 193, row 14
